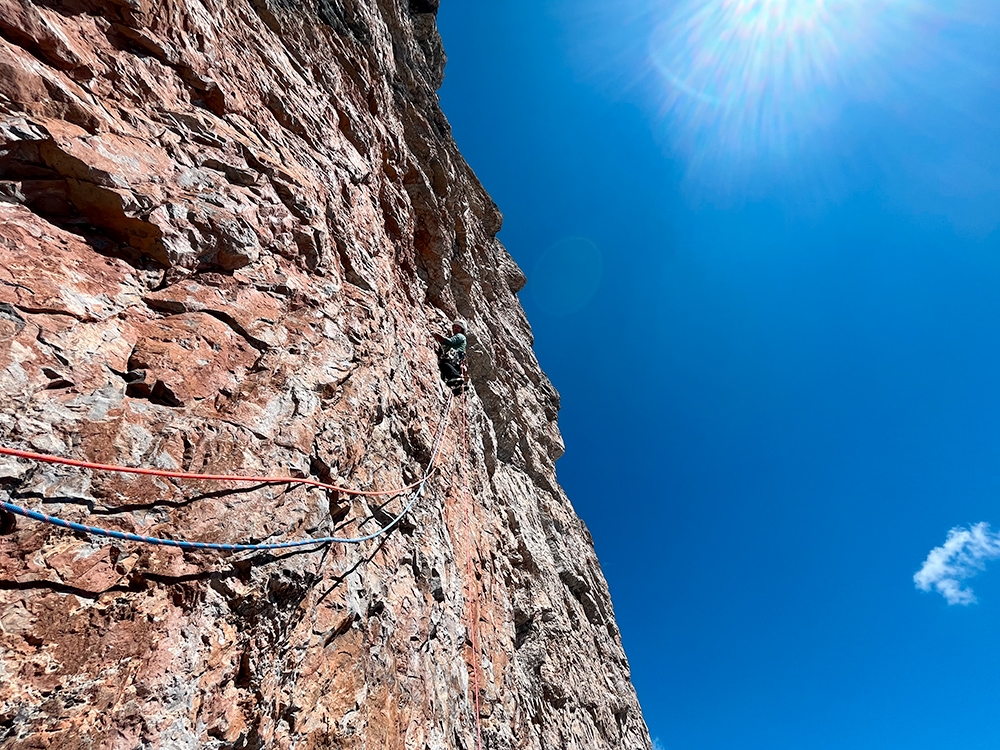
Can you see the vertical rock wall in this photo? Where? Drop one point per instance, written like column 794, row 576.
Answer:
column 226, row 229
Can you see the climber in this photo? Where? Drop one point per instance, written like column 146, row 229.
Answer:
column 451, row 356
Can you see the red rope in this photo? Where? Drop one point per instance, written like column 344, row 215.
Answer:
column 209, row 477
column 473, row 598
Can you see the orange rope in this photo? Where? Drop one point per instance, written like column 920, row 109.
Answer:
column 473, row 599
column 209, row 477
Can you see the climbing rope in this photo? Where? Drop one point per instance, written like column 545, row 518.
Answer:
column 207, row 477
column 159, row 541
column 473, row 599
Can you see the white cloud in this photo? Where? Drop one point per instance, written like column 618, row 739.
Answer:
column 963, row 554
column 657, row 745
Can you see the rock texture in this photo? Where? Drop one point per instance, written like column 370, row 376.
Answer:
column 226, row 229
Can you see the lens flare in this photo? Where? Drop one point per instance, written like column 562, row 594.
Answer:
column 753, row 77
column 741, row 71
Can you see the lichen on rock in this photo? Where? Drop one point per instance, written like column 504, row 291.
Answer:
column 226, row 233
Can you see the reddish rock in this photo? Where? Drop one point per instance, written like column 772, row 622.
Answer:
column 225, row 236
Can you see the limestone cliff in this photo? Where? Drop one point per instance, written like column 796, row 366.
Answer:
column 226, row 231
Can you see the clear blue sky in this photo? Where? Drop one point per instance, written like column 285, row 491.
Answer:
column 763, row 252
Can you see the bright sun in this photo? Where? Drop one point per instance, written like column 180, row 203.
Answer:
column 748, row 76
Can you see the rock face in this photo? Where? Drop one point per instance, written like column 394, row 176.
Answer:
column 226, row 230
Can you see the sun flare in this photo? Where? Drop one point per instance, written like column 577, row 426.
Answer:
column 747, row 76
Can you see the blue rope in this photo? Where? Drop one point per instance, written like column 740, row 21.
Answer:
column 158, row 541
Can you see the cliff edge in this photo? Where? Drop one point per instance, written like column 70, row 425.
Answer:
column 226, row 230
